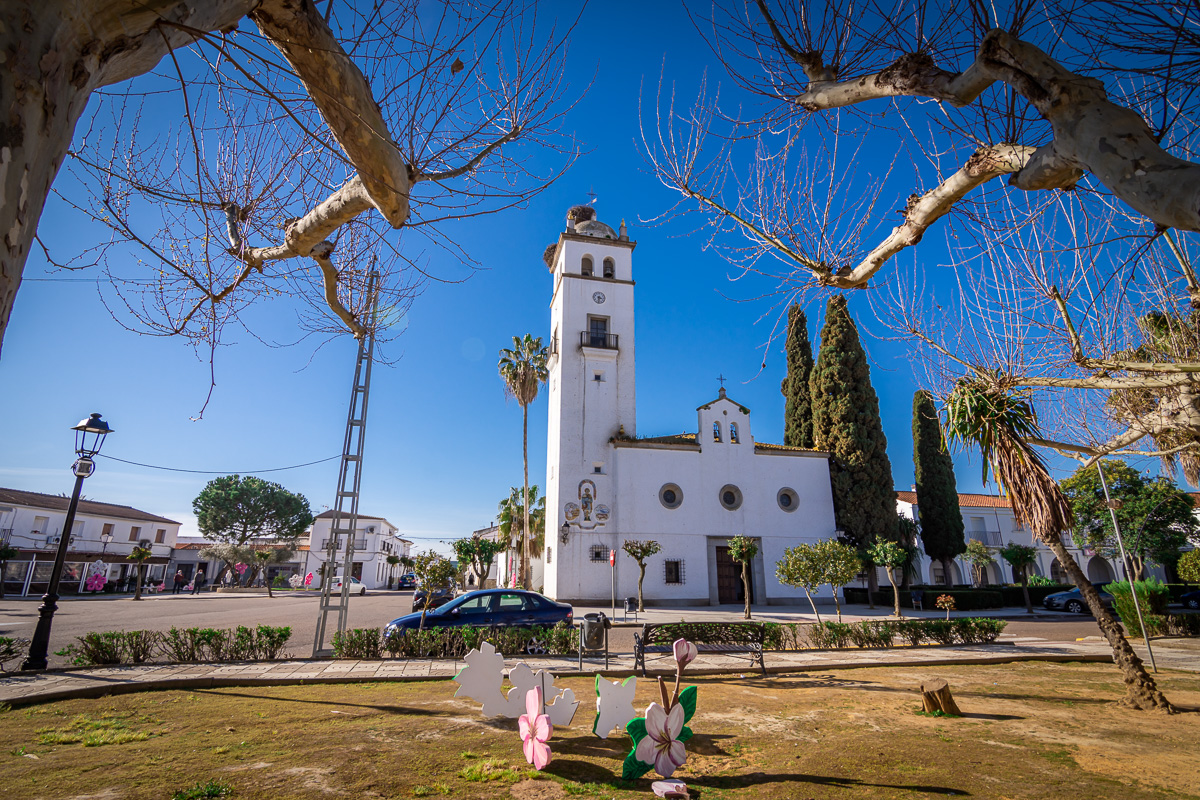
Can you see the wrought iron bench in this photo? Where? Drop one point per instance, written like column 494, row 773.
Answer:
column 744, row 638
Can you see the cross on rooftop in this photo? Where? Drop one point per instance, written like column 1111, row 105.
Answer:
column 722, row 379
column 591, row 192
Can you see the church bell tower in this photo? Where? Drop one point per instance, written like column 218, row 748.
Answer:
column 590, row 391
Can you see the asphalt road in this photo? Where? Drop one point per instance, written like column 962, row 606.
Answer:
column 76, row 617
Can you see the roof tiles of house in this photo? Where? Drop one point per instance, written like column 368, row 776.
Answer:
column 964, row 500
column 53, row 502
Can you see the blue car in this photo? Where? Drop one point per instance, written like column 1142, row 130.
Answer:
column 490, row 608
column 1191, row 600
column 1073, row 600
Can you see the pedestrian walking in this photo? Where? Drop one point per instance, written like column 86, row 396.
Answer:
column 178, row 583
column 198, row 582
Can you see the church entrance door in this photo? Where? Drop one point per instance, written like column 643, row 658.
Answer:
column 729, row 578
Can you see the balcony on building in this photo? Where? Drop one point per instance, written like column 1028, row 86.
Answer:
column 989, row 538
column 599, row 340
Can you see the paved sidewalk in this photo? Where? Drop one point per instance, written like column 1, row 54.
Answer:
column 24, row 689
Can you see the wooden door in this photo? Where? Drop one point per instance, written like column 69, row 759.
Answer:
column 729, row 579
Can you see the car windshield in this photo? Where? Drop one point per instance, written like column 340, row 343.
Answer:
column 468, row 604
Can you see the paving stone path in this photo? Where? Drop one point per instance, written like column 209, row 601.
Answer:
column 27, row 688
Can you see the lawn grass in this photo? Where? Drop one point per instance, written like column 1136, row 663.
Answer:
column 1029, row 730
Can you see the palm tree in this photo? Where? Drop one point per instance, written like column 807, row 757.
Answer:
column 523, row 368
column 1001, row 422
column 512, row 520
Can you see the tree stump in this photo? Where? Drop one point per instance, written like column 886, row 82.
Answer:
column 935, row 696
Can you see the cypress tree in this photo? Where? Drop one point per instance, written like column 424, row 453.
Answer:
column 797, row 414
column 846, row 423
column 937, row 491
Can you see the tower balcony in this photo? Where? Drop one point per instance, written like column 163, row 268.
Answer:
column 602, row 341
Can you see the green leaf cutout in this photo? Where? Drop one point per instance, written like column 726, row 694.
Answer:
column 637, row 729
column 684, row 734
column 634, row 769
column 687, row 699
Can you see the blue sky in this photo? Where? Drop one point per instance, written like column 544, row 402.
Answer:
column 443, row 444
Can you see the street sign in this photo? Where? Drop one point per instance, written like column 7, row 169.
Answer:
column 612, row 558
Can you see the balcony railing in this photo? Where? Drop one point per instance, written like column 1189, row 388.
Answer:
column 989, row 538
column 604, row 341
column 359, row 544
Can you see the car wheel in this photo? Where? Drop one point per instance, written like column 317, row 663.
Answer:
column 1193, row 603
column 1075, row 607
column 536, row 647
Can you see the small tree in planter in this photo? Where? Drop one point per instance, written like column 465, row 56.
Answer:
column 393, row 561
column 639, row 551
column 842, row 565
column 1021, row 557
column 743, row 549
column 801, row 566
column 946, row 603
column 891, row 556
column 139, row 556
column 432, row 570
column 978, row 555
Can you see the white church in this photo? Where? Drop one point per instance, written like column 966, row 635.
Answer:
column 690, row 492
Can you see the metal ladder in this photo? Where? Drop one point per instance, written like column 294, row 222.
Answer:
column 349, row 481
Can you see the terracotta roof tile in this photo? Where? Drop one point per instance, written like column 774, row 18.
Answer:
column 92, row 508
column 964, row 500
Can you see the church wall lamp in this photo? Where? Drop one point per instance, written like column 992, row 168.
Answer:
column 566, row 531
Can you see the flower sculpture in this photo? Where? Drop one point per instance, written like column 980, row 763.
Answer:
column 661, row 746
column 659, row 736
column 308, row 579
column 535, row 728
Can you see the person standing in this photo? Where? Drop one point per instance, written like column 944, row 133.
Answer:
column 198, row 582
column 178, row 582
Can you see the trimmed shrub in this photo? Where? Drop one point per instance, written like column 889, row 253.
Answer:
column 358, row 643
column 186, row 645
column 138, row 646
column 784, row 636
column 1152, row 594
column 562, row 639
column 870, row 633
column 976, row 630
column 269, row 641
column 964, row 599
column 1012, row 596
column 1173, row 624
column 94, row 649
column 829, row 635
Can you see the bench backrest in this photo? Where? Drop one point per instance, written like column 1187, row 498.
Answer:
column 738, row 633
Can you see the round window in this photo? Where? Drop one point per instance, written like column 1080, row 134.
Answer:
column 670, row 495
column 788, row 499
column 731, row 497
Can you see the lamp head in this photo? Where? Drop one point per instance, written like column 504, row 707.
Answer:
column 89, row 436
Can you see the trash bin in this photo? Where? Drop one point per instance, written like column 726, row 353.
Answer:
column 594, row 626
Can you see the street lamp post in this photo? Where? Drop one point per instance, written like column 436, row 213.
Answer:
column 89, row 436
column 105, row 538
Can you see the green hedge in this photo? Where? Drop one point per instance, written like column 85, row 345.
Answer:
column 964, row 599
column 1173, row 624
column 1152, row 594
column 882, row 633
column 562, row 639
column 264, row 643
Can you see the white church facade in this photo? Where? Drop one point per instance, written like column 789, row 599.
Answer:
column 690, row 492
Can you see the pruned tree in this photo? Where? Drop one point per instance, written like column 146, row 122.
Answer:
column 937, row 489
column 891, row 556
column 307, row 139
column 264, row 557
column 433, row 570
column 139, row 556
column 1021, row 557
column 238, row 511
column 639, row 551
column 478, row 554
column 743, row 549
column 801, row 566
column 1087, row 110
column 978, row 555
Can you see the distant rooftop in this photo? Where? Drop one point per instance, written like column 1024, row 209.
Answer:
column 93, row 508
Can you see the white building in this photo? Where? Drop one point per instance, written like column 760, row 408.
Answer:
column 989, row 519
column 102, row 538
column 375, row 539
column 689, row 492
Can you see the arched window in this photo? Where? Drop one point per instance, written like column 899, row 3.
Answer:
column 610, row 268
column 733, row 434
column 586, row 266
column 716, row 431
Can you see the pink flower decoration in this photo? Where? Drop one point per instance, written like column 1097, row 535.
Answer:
column 535, row 730
column 308, row 579
column 241, row 568
column 685, row 652
column 672, row 790
column 660, row 746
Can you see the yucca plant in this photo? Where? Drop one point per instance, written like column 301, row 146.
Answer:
column 986, row 412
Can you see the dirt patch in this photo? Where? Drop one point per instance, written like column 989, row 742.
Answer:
column 1031, row 731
